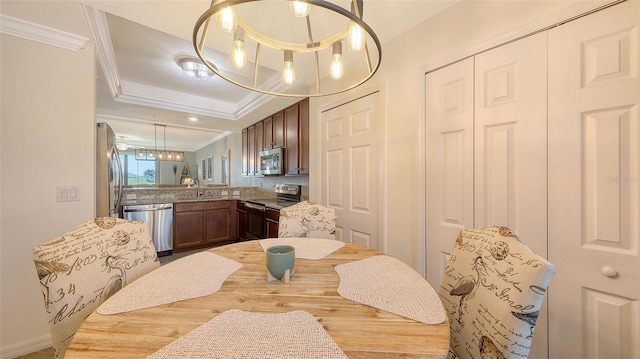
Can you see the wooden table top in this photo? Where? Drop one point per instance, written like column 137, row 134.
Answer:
column 359, row 330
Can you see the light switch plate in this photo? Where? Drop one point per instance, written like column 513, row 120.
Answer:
column 68, row 193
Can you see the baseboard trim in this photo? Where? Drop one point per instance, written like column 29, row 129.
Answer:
column 26, row 347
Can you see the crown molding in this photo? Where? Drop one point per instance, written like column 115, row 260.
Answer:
column 99, row 32
column 43, row 34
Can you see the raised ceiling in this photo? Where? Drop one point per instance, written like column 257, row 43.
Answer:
column 139, row 83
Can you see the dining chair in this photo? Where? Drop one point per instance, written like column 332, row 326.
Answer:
column 492, row 290
column 85, row 266
column 307, row 219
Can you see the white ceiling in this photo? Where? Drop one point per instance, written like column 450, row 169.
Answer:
column 139, row 83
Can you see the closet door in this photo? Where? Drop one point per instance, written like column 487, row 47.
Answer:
column 511, row 149
column 510, row 140
column 487, row 153
column 594, row 185
column 449, row 169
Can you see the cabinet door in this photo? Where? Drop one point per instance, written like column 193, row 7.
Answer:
column 267, row 124
column 188, row 230
column 291, row 154
column 273, row 217
column 217, row 226
column 242, row 225
column 259, row 142
column 303, row 140
column 251, row 150
column 245, row 152
column 278, row 130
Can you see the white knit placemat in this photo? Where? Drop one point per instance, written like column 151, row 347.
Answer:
column 239, row 334
column 306, row 248
column 386, row 283
column 190, row 277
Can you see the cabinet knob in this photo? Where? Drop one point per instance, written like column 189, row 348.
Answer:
column 609, row 272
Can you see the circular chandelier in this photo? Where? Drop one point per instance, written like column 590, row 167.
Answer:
column 288, row 48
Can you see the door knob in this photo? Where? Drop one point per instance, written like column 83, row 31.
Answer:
column 609, row 272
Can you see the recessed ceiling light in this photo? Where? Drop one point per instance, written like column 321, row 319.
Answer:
column 193, row 119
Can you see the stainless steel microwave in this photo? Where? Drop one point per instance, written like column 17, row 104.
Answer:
column 271, row 162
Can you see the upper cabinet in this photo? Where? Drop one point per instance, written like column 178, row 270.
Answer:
column 274, row 131
column 288, row 128
column 296, row 121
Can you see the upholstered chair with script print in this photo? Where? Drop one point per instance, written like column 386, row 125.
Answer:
column 492, row 290
column 307, row 219
column 81, row 269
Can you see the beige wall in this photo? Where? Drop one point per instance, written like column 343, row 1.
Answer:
column 48, row 140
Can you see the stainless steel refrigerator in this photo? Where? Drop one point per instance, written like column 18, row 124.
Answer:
column 109, row 176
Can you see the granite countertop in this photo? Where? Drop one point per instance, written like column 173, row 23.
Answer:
column 158, row 195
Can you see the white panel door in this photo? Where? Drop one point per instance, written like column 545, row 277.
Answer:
column 449, row 169
column 511, row 148
column 510, row 139
column 351, row 161
column 594, row 185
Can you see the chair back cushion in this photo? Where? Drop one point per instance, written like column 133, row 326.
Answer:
column 81, row 269
column 492, row 290
column 307, row 219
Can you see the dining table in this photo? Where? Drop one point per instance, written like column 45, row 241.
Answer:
column 359, row 330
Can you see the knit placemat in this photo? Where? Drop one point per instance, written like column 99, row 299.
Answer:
column 306, row 248
column 386, row 283
column 189, row 277
column 239, row 334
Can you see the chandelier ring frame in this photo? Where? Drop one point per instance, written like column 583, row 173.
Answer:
column 261, row 39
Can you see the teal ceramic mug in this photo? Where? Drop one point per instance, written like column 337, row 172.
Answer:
column 279, row 259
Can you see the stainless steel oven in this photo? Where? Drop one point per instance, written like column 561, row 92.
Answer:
column 256, row 209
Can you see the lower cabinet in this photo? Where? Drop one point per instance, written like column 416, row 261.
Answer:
column 242, row 221
column 203, row 224
column 273, row 217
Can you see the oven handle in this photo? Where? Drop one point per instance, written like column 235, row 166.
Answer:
column 255, row 206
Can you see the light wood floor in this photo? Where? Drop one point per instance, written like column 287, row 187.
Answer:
column 47, row 353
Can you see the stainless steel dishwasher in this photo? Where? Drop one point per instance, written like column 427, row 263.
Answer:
column 159, row 218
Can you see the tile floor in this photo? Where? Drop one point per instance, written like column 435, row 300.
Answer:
column 47, row 353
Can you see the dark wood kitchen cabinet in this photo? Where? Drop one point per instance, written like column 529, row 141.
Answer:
column 273, row 219
column 252, row 144
column 242, row 221
column 296, row 120
column 203, row 224
column 245, row 152
column 274, row 131
column 288, row 128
